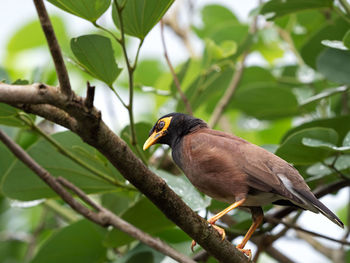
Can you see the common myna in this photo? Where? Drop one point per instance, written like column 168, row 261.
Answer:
column 230, row 169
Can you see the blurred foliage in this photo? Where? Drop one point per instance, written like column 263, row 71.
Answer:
column 293, row 101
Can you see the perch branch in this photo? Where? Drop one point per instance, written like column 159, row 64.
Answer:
column 54, row 47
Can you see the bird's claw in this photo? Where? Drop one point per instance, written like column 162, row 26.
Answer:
column 219, row 229
column 193, row 244
column 246, row 252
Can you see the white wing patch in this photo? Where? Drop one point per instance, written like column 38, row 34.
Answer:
column 288, row 184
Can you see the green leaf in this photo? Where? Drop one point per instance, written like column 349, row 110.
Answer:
column 311, row 49
column 21, row 183
column 293, row 150
column 143, row 215
column 6, row 159
column 215, row 17
column 346, row 39
column 341, row 124
column 256, row 100
column 346, row 141
column 75, row 243
column 142, row 132
column 183, row 187
column 315, row 143
column 278, row 8
column 140, row 16
column 142, row 253
column 148, row 71
column 26, row 138
column 223, row 50
column 334, row 65
column 119, row 201
column 12, row 250
column 268, row 44
column 31, row 36
column 95, row 54
column 88, row 9
column 8, row 116
column 255, row 74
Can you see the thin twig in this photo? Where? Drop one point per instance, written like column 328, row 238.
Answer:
column 277, row 221
column 236, row 78
column 326, row 251
column 54, row 47
column 131, row 69
column 285, row 35
column 175, row 78
column 103, row 218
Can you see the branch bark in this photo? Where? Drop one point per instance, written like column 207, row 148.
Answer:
column 54, row 47
column 104, row 217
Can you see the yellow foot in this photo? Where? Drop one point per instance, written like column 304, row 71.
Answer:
column 193, row 244
column 247, row 252
column 219, row 229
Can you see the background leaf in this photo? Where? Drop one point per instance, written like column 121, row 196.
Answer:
column 283, row 7
column 294, row 151
column 96, row 56
column 22, row 184
column 88, row 9
column 334, row 65
column 140, row 16
column 78, row 242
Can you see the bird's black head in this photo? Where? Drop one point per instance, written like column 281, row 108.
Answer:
column 170, row 129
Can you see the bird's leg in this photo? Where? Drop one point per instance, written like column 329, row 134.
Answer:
column 258, row 216
column 213, row 219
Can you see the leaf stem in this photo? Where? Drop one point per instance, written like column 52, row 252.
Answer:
column 118, row 96
column 131, row 69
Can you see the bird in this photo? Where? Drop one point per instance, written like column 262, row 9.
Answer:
column 233, row 170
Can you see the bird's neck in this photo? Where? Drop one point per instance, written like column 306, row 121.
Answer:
column 186, row 128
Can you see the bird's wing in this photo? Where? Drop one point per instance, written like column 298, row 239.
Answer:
column 255, row 168
column 265, row 171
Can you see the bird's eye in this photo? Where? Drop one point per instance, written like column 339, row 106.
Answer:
column 161, row 125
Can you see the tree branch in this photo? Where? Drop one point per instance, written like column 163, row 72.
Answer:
column 54, row 47
column 104, row 217
column 175, row 78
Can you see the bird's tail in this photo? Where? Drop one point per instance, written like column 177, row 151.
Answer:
column 311, row 200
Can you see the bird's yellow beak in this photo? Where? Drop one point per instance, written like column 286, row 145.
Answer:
column 159, row 131
column 152, row 139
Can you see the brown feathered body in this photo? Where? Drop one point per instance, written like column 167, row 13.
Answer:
column 228, row 168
